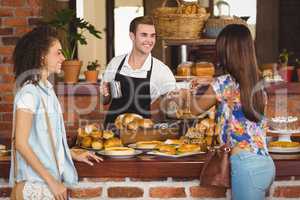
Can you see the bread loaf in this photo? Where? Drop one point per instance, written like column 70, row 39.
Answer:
column 203, row 69
column 184, row 69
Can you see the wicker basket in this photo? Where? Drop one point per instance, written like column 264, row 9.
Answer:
column 171, row 24
column 215, row 25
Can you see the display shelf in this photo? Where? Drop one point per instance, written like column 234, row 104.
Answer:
column 165, row 43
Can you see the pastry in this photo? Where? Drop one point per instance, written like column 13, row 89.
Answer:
column 107, row 134
column 97, row 145
column 167, row 149
column 119, row 151
column 86, row 142
column 133, row 125
column 284, row 144
column 113, row 142
column 119, row 122
column 284, row 123
column 188, row 148
column 96, row 135
column 148, row 144
column 145, row 123
column 91, row 127
column 129, row 117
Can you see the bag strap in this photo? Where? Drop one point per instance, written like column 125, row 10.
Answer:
column 13, row 145
column 14, row 155
column 51, row 135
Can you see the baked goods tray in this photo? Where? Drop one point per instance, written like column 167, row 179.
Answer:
column 157, row 153
column 136, row 152
column 86, row 148
column 134, row 146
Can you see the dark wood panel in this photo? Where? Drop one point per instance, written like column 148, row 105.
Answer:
column 290, row 27
column 155, row 167
column 267, row 31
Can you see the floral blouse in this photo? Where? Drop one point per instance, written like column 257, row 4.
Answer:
column 230, row 118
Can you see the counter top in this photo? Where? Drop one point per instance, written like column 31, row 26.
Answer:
column 146, row 166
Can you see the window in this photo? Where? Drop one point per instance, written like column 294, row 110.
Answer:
column 122, row 17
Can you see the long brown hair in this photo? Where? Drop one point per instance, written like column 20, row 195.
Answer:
column 236, row 54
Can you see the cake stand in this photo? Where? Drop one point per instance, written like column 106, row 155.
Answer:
column 285, row 136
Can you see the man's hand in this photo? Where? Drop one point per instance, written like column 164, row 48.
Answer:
column 104, row 93
column 104, row 89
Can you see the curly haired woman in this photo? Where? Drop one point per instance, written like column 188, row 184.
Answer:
column 36, row 57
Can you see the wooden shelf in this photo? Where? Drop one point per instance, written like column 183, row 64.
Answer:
column 165, row 43
column 196, row 42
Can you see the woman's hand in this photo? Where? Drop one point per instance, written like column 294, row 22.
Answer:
column 196, row 82
column 58, row 190
column 85, row 156
column 176, row 99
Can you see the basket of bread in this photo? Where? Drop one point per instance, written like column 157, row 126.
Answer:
column 185, row 21
column 134, row 128
column 202, row 132
column 91, row 137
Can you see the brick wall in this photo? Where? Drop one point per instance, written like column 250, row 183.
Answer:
column 129, row 188
column 16, row 18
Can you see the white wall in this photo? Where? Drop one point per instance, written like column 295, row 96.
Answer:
column 94, row 12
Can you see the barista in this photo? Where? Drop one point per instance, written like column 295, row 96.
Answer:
column 142, row 77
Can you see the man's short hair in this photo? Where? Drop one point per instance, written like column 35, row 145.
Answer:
column 140, row 20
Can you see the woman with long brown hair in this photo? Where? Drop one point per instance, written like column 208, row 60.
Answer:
column 240, row 113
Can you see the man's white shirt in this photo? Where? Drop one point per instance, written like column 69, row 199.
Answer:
column 162, row 79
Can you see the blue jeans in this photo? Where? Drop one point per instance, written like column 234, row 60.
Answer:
column 251, row 176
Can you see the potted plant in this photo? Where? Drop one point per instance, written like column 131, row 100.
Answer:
column 62, row 21
column 91, row 74
column 285, row 70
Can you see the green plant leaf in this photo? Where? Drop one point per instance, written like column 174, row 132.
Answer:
column 62, row 19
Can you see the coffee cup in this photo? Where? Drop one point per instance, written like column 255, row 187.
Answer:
column 115, row 89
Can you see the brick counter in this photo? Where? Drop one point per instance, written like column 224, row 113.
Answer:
column 148, row 177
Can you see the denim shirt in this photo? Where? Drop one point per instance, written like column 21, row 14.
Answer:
column 39, row 139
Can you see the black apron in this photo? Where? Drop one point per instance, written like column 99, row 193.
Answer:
column 135, row 96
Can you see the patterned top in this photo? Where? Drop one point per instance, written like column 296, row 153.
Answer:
column 243, row 132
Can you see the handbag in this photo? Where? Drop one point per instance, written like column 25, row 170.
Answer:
column 17, row 190
column 216, row 169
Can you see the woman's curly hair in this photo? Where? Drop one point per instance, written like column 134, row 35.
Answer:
column 29, row 52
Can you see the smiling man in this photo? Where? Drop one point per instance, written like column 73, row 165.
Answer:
column 142, row 77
